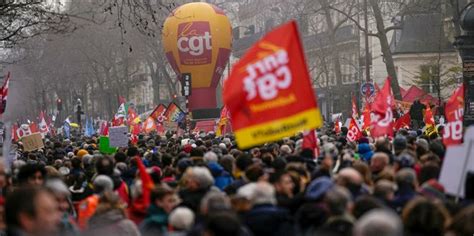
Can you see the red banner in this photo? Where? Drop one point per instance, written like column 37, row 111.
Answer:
column 269, row 93
column 353, row 133
column 454, row 111
column 382, row 119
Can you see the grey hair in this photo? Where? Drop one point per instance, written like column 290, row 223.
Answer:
column 285, row 149
column 380, row 222
column 215, row 201
column 57, row 186
column 201, row 175
column 406, row 176
column 210, row 157
column 263, row 193
column 103, row 183
column 338, row 199
column 181, row 219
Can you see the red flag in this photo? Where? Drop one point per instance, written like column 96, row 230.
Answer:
column 366, row 124
column 382, row 122
column 429, row 120
column 355, row 114
column 147, row 182
column 310, row 141
column 269, row 92
column 4, row 94
column 454, row 111
column 104, row 128
column 402, row 122
column 34, row 128
column 118, row 121
column 353, row 133
column 23, row 130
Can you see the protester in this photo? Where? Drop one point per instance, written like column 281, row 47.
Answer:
column 32, row 211
column 163, row 200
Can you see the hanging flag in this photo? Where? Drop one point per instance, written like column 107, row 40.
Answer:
column 174, row 113
column 355, row 113
column 402, row 122
column 43, row 126
column 149, row 125
column 158, row 113
column 382, row 120
column 269, row 92
column 454, row 111
column 310, row 141
column 353, row 132
column 4, row 94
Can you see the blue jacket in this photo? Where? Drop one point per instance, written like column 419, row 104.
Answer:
column 222, row 178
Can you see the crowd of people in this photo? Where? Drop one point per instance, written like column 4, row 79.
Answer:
column 205, row 185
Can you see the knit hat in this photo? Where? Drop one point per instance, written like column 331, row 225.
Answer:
column 82, row 153
column 318, row 187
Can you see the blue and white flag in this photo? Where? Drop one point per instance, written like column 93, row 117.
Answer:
column 67, row 128
column 89, row 132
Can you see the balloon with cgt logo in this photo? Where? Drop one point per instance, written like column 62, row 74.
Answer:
column 197, row 38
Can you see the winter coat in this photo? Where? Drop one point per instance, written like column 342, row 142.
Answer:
column 155, row 223
column 267, row 219
column 192, row 199
column 222, row 178
column 112, row 222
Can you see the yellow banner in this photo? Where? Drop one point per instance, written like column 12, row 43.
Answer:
column 278, row 129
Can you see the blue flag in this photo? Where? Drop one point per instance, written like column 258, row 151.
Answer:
column 89, row 132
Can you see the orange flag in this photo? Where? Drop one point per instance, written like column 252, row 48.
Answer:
column 149, row 125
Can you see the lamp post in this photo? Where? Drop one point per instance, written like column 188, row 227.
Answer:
column 465, row 45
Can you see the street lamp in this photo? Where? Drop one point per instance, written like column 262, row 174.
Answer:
column 465, row 44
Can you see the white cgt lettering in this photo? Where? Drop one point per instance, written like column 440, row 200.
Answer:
column 195, row 45
column 269, row 83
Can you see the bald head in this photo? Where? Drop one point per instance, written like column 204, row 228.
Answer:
column 349, row 175
column 379, row 161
